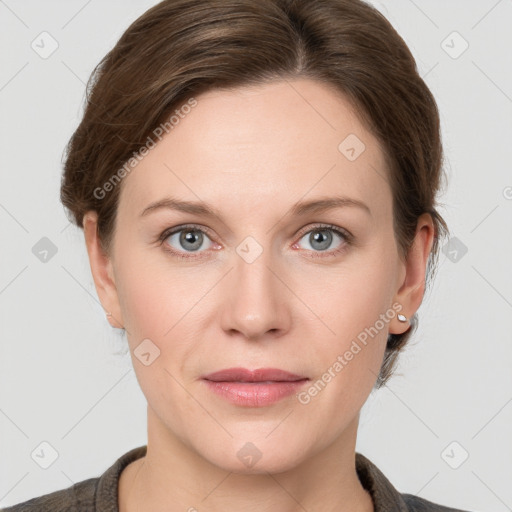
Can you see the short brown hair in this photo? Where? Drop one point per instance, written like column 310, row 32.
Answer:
column 181, row 48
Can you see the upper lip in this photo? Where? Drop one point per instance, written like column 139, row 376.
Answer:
column 257, row 375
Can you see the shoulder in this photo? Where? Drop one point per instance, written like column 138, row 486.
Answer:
column 79, row 496
column 386, row 497
column 98, row 494
column 415, row 504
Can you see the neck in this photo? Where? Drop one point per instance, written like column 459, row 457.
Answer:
column 174, row 477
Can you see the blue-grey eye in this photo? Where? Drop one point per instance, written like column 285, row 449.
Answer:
column 191, row 240
column 320, row 239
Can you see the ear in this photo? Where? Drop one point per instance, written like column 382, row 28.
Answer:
column 102, row 272
column 412, row 282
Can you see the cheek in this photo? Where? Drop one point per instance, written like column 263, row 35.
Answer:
column 154, row 293
column 348, row 362
column 162, row 303
column 354, row 306
column 154, row 302
column 349, row 297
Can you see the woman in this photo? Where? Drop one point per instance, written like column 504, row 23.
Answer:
column 256, row 182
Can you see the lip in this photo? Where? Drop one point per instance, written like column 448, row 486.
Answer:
column 254, row 388
column 258, row 375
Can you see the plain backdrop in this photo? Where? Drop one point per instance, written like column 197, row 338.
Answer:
column 441, row 428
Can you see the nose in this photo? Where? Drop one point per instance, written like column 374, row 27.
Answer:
column 257, row 301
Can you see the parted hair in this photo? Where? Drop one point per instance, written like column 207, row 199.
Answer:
column 180, row 48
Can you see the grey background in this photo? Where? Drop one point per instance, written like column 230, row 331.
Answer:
column 65, row 376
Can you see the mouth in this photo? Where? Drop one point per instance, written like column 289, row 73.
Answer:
column 258, row 375
column 254, row 388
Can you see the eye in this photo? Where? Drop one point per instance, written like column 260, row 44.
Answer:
column 192, row 241
column 321, row 238
column 185, row 239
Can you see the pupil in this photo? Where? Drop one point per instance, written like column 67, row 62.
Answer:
column 189, row 237
column 325, row 241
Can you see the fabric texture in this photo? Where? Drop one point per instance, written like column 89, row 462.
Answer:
column 100, row 494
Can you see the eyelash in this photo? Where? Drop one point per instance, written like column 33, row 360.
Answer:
column 343, row 234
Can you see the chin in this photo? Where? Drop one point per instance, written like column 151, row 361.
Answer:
column 256, row 458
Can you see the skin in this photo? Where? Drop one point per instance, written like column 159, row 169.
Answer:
column 287, row 309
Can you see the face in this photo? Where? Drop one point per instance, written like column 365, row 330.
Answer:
column 262, row 282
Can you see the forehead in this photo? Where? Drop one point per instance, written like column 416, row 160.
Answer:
column 288, row 138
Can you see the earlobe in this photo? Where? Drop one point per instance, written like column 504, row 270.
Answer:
column 412, row 285
column 101, row 269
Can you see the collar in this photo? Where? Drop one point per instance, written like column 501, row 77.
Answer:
column 385, row 497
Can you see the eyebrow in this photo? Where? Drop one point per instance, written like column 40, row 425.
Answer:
column 299, row 209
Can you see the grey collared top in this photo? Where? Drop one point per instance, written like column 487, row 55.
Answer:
column 100, row 494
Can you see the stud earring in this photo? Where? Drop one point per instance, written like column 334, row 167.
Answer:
column 109, row 316
column 402, row 318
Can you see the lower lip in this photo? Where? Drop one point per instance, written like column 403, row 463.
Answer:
column 255, row 394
